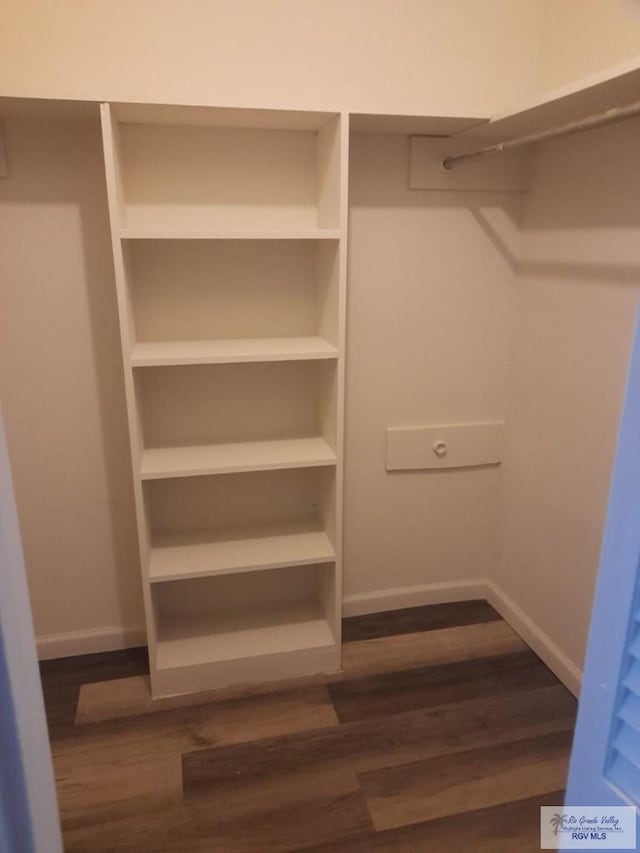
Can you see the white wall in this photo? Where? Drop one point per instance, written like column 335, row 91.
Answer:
column 456, row 56
column 60, row 372
column 61, row 384
column 363, row 55
column 576, row 293
column 428, row 334
column 431, row 288
column 581, row 37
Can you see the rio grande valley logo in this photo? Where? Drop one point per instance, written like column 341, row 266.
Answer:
column 588, row 827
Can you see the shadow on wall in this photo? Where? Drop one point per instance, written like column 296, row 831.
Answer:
column 61, row 313
column 586, row 231
column 587, row 170
column 572, row 270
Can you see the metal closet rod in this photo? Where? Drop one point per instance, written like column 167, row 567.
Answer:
column 598, row 120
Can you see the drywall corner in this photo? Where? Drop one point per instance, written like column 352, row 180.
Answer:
column 535, row 638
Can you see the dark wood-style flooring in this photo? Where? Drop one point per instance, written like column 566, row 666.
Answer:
column 443, row 733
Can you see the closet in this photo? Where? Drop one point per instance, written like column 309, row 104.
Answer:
column 259, row 428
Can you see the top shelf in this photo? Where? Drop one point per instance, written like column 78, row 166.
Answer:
column 431, row 125
column 197, row 179
column 612, row 87
column 586, row 96
column 240, row 117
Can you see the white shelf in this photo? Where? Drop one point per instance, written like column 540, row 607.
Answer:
column 238, row 550
column 595, row 93
column 162, row 462
column 241, row 633
column 170, row 234
column 210, row 116
column 423, row 125
column 158, row 353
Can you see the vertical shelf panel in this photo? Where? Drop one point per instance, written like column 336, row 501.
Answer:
column 333, row 514
column 111, row 147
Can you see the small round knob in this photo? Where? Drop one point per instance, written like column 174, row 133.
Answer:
column 440, row 449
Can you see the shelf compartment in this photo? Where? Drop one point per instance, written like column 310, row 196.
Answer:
column 223, row 290
column 238, row 550
column 237, row 457
column 163, row 353
column 203, row 180
column 242, row 633
column 214, row 619
column 224, row 523
column 247, row 416
column 189, row 507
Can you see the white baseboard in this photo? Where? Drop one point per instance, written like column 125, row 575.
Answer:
column 88, row 642
column 535, row 638
column 116, row 637
column 108, row 639
column 414, row 596
column 441, row 593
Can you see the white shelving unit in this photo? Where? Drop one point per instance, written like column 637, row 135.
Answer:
column 229, row 240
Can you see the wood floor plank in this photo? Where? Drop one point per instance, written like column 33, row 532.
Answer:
column 114, row 768
column 263, row 819
column 384, row 741
column 397, row 692
column 63, row 678
column 192, row 727
column 120, row 697
column 451, row 784
column 440, row 712
column 96, row 790
column 510, row 828
column 100, row 701
column 432, row 648
column 411, row 620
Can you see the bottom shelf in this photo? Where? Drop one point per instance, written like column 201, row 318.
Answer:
column 244, row 627
column 233, row 634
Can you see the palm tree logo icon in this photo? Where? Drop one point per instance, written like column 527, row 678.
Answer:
column 557, row 822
